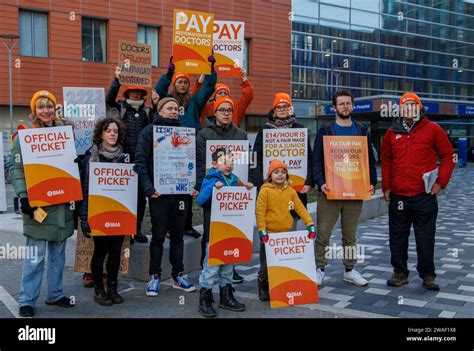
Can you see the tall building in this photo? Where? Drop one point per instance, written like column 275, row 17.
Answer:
column 379, row 49
column 74, row 43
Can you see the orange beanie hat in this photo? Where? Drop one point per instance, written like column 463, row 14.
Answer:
column 282, row 98
column 274, row 165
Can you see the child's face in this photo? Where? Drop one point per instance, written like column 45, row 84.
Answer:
column 225, row 164
column 279, row 176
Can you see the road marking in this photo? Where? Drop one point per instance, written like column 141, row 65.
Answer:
column 9, row 301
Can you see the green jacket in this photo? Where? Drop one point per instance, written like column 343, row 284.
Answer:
column 59, row 224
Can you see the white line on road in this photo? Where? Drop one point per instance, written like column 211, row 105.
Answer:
column 9, row 301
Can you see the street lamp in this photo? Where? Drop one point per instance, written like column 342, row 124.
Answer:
column 9, row 40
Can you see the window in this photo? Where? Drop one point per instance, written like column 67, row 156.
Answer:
column 33, row 34
column 149, row 35
column 94, row 40
column 245, row 64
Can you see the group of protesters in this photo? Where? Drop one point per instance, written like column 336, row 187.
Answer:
column 411, row 147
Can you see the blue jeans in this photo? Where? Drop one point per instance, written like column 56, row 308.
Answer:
column 210, row 275
column 33, row 269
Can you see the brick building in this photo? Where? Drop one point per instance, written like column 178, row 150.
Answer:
column 75, row 43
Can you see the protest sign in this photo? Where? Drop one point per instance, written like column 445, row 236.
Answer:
column 240, row 151
column 228, row 45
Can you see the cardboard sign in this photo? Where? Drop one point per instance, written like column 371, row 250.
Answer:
column 174, row 159
column 3, row 198
column 52, row 176
column 291, row 269
column 229, row 47
column 346, row 167
column 84, row 106
column 85, row 250
column 240, row 151
column 135, row 61
column 112, row 198
column 291, row 147
column 192, row 41
column 232, row 222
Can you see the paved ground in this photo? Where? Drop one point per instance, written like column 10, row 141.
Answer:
column 454, row 259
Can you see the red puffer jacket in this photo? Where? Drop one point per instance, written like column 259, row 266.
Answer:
column 406, row 156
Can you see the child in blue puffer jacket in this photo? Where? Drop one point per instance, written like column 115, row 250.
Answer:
column 218, row 176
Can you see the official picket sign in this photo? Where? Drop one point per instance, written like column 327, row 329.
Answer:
column 112, row 199
column 240, row 151
column 291, row 269
column 232, row 222
column 41, row 148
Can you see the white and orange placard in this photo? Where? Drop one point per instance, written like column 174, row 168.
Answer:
column 192, row 41
column 291, row 147
column 240, row 151
column 112, row 206
column 52, row 176
column 229, row 47
column 291, row 269
column 346, row 167
column 174, row 160
column 232, row 222
column 135, row 62
column 3, row 198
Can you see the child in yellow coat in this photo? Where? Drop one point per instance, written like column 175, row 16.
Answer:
column 275, row 201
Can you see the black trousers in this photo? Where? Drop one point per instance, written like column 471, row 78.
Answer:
column 141, row 206
column 110, row 246
column 168, row 212
column 421, row 211
column 189, row 215
column 205, row 235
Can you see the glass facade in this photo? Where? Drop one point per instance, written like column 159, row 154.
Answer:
column 383, row 47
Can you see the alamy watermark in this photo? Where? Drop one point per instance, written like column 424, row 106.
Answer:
column 19, row 252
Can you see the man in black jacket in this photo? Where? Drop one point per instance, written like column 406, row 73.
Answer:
column 328, row 211
column 136, row 116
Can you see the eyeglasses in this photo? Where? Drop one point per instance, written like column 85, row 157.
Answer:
column 225, row 111
column 281, row 108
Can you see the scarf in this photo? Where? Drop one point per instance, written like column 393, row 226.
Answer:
column 135, row 104
column 278, row 123
column 161, row 121
column 109, row 152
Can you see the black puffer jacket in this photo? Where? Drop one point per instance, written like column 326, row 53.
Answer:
column 134, row 120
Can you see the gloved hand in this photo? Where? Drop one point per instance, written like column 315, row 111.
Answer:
column 171, row 67
column 311, row 231
column 263, row 235
column 86, row 229
column 212, row 59
column 26, row 208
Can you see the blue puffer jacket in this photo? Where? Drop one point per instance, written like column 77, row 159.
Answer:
column 212, row 177
column 192, row 114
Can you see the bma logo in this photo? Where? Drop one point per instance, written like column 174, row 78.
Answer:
column 348, row 194
column 181, row 187
column 235, row 252
column 55, row 192
column 291, row 296
column 112, row 225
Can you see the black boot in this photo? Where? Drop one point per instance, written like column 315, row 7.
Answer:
column 101, row 297
column 140, row 237
column 227, row 300
column 113, row 294
column 263, row 290
column 205, row 303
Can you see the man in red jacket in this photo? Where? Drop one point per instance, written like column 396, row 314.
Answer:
column 410, row 149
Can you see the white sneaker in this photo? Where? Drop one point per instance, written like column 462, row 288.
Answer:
column 319, row 276
column 355, row 278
